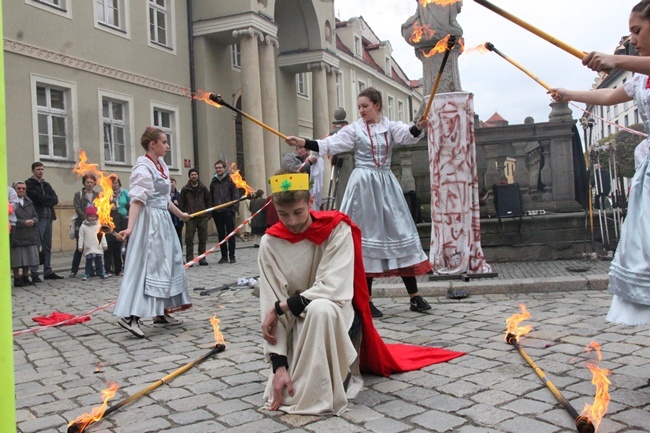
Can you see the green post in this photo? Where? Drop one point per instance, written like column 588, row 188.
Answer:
column 7, row 398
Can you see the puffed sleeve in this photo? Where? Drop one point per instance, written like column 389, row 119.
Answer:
column 401, row 133
column 343, row 141
column 630, row 86
column 140, row 183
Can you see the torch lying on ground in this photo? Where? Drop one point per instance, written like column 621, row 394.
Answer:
column 79, row 425
column 583, row 424
column 251, row 196
column 219, row 100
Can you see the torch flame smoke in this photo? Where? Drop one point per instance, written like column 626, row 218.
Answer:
column 218, row 336
column 440, row 47
column 421, row 31
column 96, row 414
column 105, row 182
column 200, row 95
column 238, row 181
column 482, row 48
column 514, row 321
column 596, row 412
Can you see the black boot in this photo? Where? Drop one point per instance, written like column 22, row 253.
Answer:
column 18, row 282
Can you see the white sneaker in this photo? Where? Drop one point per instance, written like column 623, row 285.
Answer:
column 132, row 326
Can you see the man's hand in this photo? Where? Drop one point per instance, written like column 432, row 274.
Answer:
column 269, row 324
column 281, row 379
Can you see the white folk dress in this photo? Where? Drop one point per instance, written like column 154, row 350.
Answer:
column 316, row 344
column 374, row 198
column 629, row 274
column 154, row 281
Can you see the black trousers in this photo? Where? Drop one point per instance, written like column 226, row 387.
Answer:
column 225, row 222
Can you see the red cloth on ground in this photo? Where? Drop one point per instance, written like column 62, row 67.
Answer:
column 57, row 317
column 376, row 356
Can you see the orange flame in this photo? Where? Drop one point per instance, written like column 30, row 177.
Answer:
column 200, row 95
column 237, row 179
column 482, row 49
column 514, row 321
column 96, row 414
column 438, row 2
column 596, row 412
column 440, row 47
column 218, row 336
column 105, row 182
column 420, row 31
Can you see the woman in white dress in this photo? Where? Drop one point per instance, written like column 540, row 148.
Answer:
column 629, row 274
column 374, row 198
column 154, row 282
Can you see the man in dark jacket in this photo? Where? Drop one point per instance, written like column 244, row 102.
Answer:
column 223, row 190
column 195, row 197
column 44, row 198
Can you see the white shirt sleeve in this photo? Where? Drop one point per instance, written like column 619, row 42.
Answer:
column 140, row 183
column 343, row 141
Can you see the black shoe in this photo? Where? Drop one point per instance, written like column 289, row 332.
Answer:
column 232, row 260
column 36, row 279
column 26, row 281
column 419, row 304
column 374, row 311
column 53, row 276
column 132, row 325
column 203, row 262
column 18, row 282
column 223, row 260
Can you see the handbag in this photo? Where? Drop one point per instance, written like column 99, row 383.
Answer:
column 72, row 233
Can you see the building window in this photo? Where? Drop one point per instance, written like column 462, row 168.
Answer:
column 362, row 86
column 339, row 89
column 391, row 108
column 627, row 121
column 387, row 67
column 301, row 84
column 54, row 120
column 357, row 46
column 58, row 7
column 400, row 111
column 110, row 13
column 236, row 56
column 165, row 119
column 115, row 129
column 615, row 110
column 636, row 116
column 159, row 28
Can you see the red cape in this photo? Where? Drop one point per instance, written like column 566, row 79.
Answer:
column 376, row 356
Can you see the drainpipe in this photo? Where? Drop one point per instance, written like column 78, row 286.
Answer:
column 190, row 38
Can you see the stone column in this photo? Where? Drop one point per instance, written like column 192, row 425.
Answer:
column 253, row 134
column 272, row 161
column 333, row 105
column 320, row 108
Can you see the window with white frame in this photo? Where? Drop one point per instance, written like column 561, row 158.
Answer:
column 115, row 130
column 159, row 22
column 301, row 84
column 357, row 46
column 58, row 7
column 110, row 13
column 361, row 85
column 387, row 67
column 54, row 121
column 400, row 111
column 391, row 108
column 339, row 89
column 165, row 119
column 236, row 56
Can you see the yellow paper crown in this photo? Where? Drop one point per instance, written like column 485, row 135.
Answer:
column 289, row 182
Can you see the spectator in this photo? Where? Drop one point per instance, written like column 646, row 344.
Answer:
column 41, row 193
column 92, row 243
column 24, row 236
column 224, row 190
column 174, row 195
column 195, row 197
column 82, row 199
column 302, row 160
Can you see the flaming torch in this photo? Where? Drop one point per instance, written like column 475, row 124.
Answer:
column 595, row 412
column 249, row 193
column 103, row 200
column 542, row 34
column 219, row 346
column 513, row 333
column 445, row 44
column 97, row 413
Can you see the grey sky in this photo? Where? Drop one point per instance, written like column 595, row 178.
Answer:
column 588, row 25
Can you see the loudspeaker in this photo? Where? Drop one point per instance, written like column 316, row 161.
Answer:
column 508, row 201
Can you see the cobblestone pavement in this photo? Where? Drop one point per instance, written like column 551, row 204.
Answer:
column 59, row 372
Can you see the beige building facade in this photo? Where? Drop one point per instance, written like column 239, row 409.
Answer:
column 92, row 75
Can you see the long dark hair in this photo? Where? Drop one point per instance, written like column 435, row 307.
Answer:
column 374, row 95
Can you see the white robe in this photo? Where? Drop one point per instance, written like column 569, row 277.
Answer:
column 316, row 343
